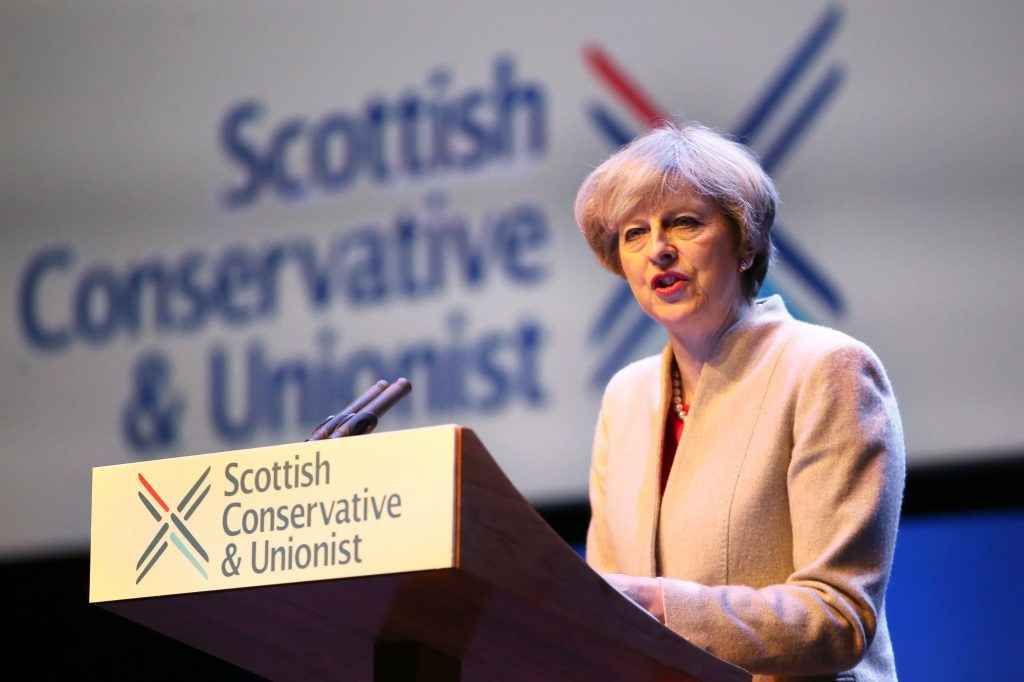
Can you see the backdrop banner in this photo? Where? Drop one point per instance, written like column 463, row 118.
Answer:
column 223, row 221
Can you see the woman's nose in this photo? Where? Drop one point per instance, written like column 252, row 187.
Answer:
column 662, row 253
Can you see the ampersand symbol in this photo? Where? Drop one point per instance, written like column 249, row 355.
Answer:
column 151, row 416
column 229, row 566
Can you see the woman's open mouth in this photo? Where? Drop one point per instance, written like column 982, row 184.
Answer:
column 668, row 283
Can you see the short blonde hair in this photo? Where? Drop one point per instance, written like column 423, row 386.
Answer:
column 645, row 174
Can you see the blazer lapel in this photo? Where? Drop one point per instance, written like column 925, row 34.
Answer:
column 727, row 403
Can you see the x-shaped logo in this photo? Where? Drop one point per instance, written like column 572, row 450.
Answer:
column 159, row 543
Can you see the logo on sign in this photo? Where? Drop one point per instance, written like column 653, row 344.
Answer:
column 165, row 534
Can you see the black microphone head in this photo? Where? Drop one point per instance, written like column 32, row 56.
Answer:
column 360, row 403
column 334, row 423
column 358, row 425
column 389, row 397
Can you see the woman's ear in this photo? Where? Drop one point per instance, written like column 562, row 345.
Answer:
column 746, row 259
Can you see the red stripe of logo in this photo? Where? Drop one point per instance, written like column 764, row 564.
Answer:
column 629, row 93
column 153, row 493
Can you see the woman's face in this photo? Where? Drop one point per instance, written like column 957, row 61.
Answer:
column 682, row 263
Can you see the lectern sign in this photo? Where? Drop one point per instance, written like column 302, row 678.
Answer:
column 288, row 513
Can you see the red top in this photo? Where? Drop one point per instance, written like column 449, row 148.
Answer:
column 673, row 432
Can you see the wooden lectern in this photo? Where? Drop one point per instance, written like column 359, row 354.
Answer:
column 516, row 604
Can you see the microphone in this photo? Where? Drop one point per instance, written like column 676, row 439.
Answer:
column 366, row 420
column 325, row 428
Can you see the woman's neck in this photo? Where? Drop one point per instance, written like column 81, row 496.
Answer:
column 692, row 349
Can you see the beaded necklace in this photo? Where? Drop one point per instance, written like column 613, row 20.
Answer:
column 678, row 407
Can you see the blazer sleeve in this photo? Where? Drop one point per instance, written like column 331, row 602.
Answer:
column 599, row 554
column 845, row 485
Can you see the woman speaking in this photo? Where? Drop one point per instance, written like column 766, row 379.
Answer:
column 746, row 483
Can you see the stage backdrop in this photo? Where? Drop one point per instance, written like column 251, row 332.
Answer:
column 220, row 221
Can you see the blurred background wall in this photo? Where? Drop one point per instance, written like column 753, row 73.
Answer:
column 222, row 221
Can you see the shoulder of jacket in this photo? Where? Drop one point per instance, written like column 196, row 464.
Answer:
column 773, row 325
column 814, row 353
column 812, row 341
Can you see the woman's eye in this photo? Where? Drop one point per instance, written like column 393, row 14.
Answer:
column 685, row 221
column 632, row 233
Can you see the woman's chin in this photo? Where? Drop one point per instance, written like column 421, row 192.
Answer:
column 670, row 314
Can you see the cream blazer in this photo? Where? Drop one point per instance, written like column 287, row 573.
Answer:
column 775, row 537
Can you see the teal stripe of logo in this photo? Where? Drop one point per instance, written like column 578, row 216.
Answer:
column 188, row 555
